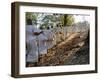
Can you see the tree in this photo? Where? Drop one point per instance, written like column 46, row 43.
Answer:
column 48, row 20
column 51, row 20
column 31, row 18
column 67, row 20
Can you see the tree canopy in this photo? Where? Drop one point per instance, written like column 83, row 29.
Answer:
column 49, row 19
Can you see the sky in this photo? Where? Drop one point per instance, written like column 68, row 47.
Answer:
column 81, row 18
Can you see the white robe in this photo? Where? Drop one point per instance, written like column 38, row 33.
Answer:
column 32, row 54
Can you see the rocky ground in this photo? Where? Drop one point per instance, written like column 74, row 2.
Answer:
column 74, row 50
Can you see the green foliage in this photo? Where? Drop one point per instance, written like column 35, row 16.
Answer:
column 67, row 20
column 70, row 20
column 47, row 20
column 32, row 17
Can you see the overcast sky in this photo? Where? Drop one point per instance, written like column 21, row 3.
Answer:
column 81, row 18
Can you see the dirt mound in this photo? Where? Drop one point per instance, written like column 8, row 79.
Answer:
column 72, row 51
